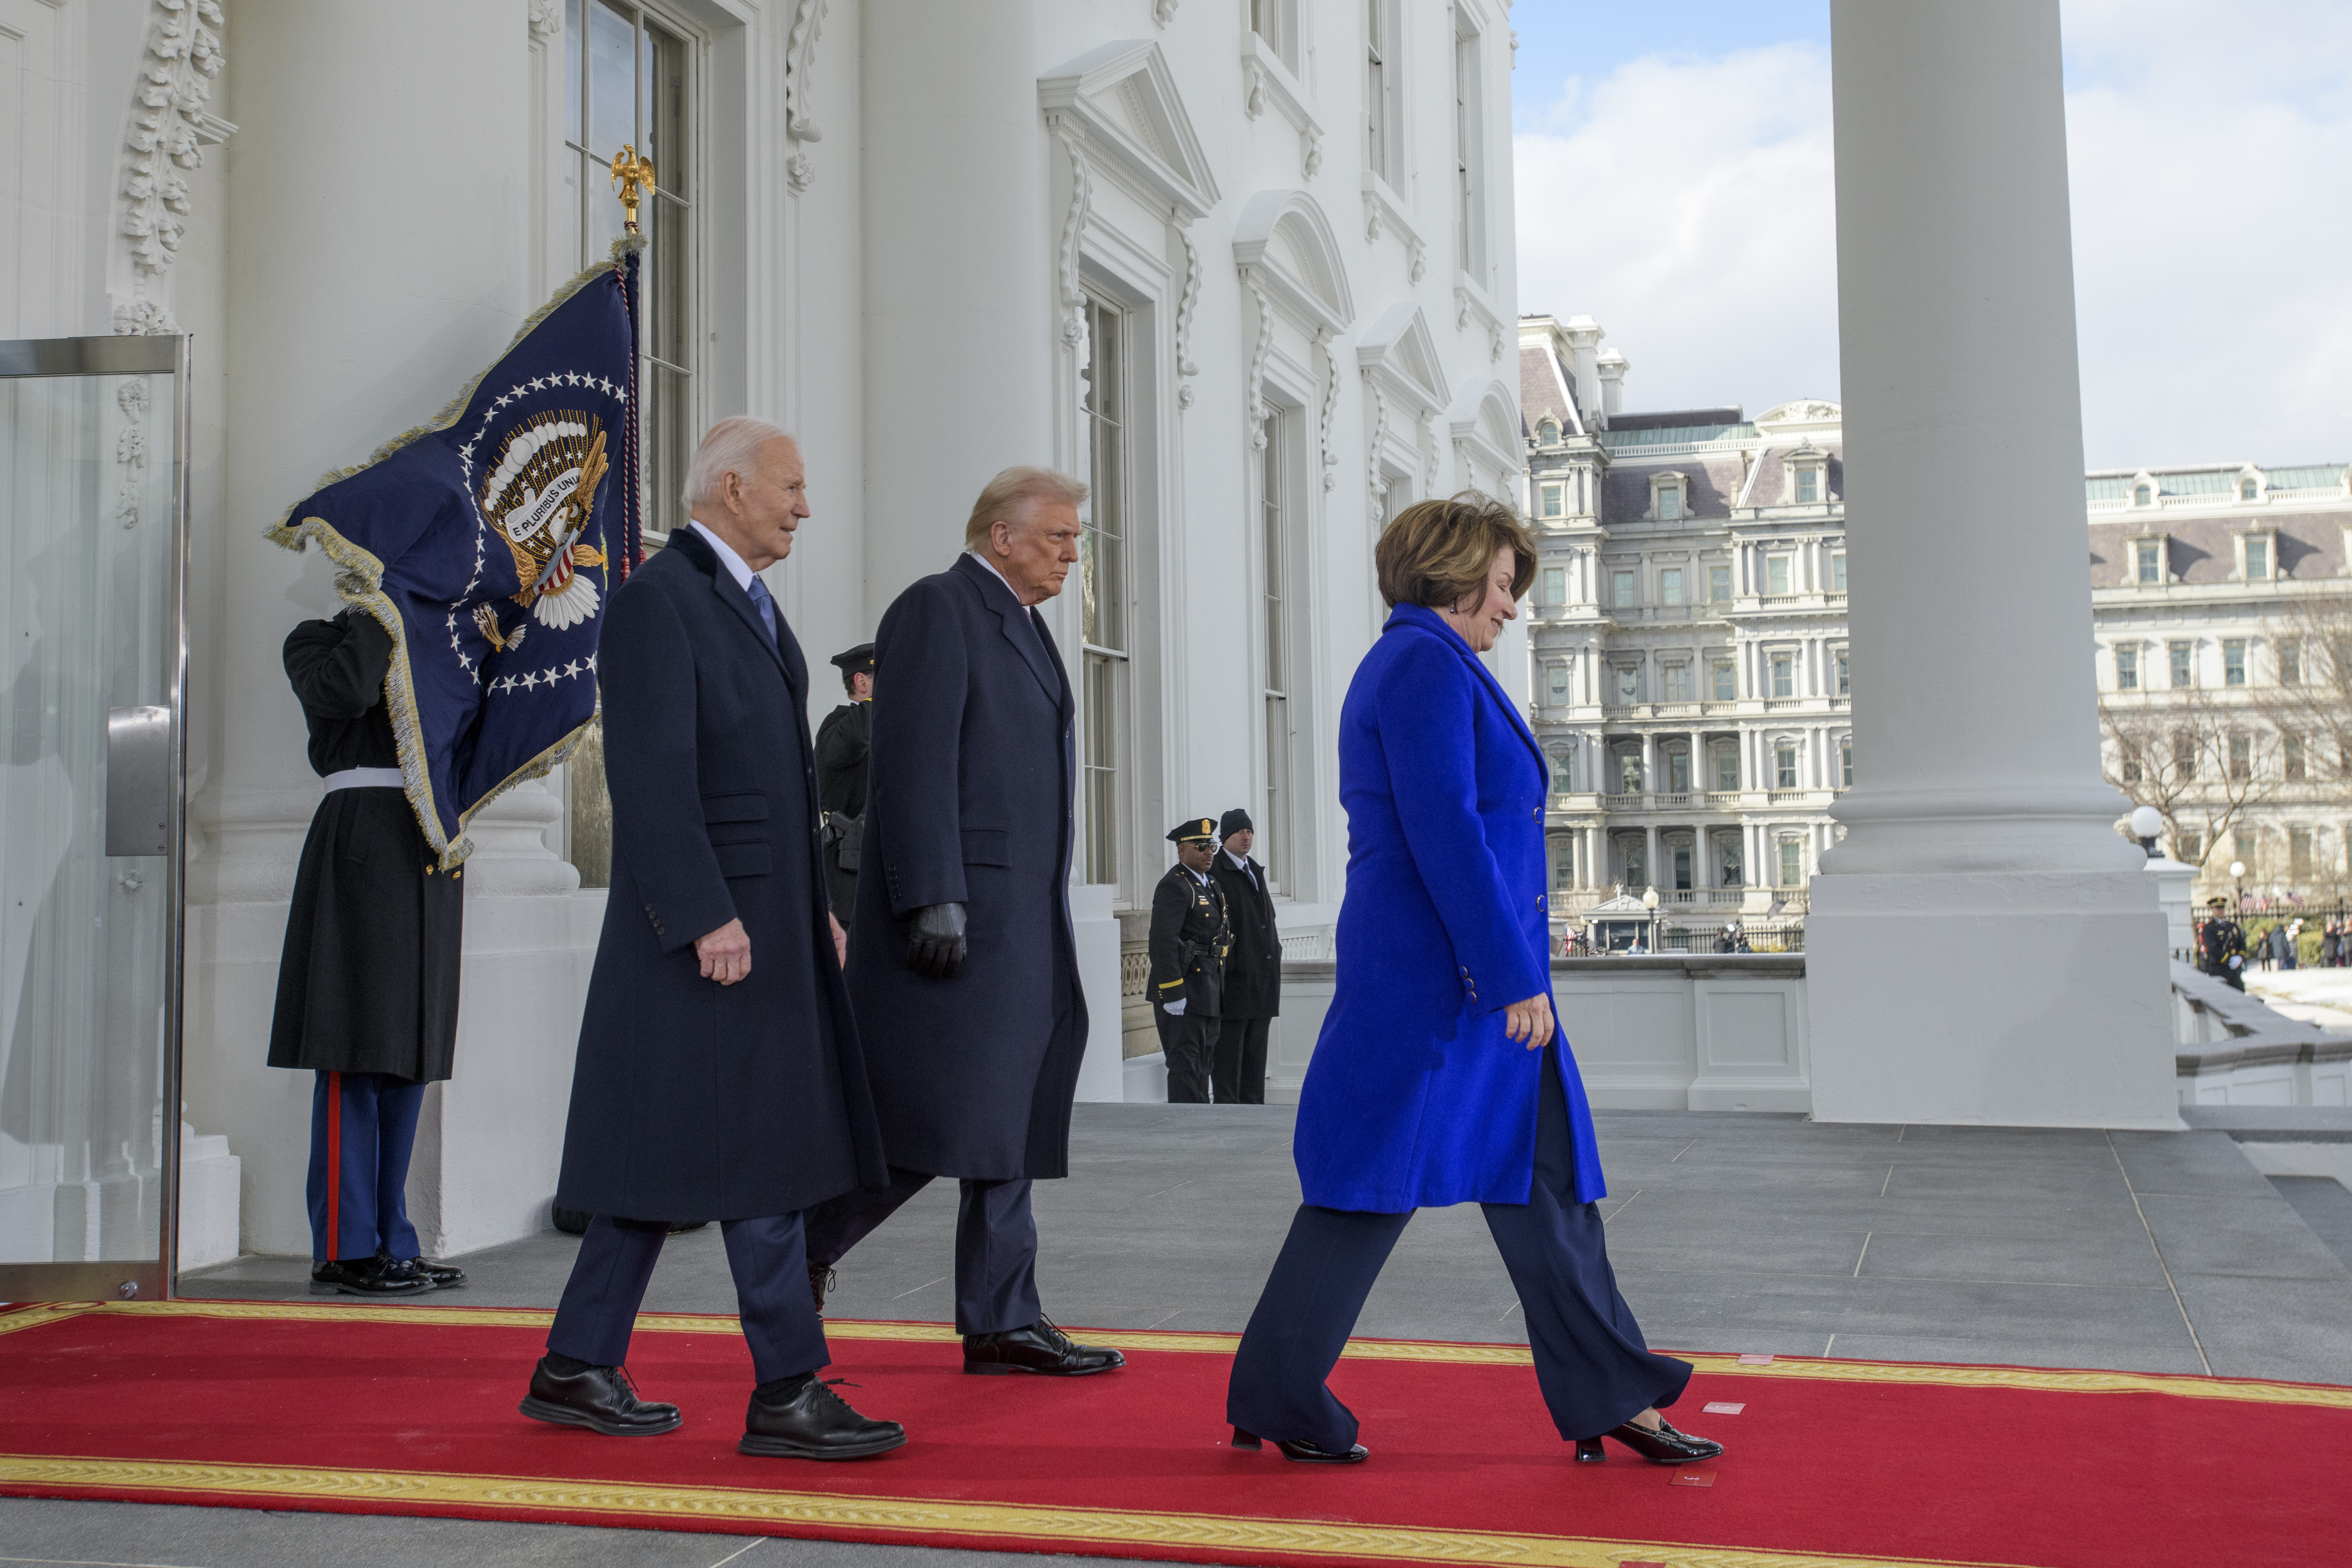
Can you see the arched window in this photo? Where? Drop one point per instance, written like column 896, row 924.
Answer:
column 2248, row 490
column 1548, row 433
column 2140, row 496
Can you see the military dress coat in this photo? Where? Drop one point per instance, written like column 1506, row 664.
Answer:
column 1188, row 943
column 368, row 978
column 840, row 746
column 970, row 778
column 692, row 1100
column 1415, row 1098
column 1253, row 969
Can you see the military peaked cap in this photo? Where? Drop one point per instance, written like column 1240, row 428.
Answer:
column 1195, row 830
column 858, row 660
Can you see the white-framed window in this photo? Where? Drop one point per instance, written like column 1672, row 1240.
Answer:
column 1784, row 764
column 2184, row 757
column 1776, row 573
column 1556, row 684
column 1723, row 678
column 1629, row 773
column 1622, row 585
column 1837, row 571
column 1559, row 850
column 1731, row 870
column 1809, row 485
column 1670, row 585
column 1845, row 762
column 2126, row 667
column 1681, row 853
column 1563, row 765
column 1548, row 433
column 2143, row 496
column 1276, row 23
column 2189, row 847
column 1678, row 771
column 2183, row 656
column 1275, row 831
column 1844, row 673
column 1784, row 674
column 2129, row 761
column 1719, row 585
column 1678, row 683
column 2148, row 561
column 1554, row 497
column 1469, row 149
column 1629, row 683
column 2255, row 556
column 1666, row 497
column 2234, row 661
column 2294, row 761
column 2242, row 756
column 1555, row 585
column 1792, row 862
column 1637, row 862
column 1726, row 766
column 2298, row 854
column 2250, row 488
column 1383, row 58
column 1105, row 594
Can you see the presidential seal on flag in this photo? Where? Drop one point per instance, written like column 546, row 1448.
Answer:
column 489, row 543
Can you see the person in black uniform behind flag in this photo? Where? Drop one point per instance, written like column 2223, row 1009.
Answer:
column 367, row 986
column 2222, row 946
column 1190, row 940
column 1253, row 989
column 840, row 746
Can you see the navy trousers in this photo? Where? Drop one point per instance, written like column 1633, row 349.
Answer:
column 615, row 1262
column 1592, row 1365
column 995, row 1247
column 363, row 1130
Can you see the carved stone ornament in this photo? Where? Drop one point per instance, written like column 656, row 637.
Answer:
column 1258, row 409
column 799, row 64
column 1331, row 406
column 1376, row 484
column 131, row 451
column 169, row 128
column 546, row 19
column 799, row 170
column 1074, row 226
column 1163, row 11
column 1187, row 307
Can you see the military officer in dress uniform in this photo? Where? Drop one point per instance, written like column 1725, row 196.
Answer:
column 1190, row 941
column 2223, row 946
column 367, row 985
column 1253, row 988
column 841, row 744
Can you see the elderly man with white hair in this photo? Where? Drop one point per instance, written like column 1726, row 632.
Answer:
column 719, row 1074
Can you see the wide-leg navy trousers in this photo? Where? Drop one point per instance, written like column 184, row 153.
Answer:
column 995, row 1245
column 362, row 1131
column 615, row 1263
column 1591, row 1363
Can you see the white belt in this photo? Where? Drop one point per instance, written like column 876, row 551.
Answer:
column 367, row 778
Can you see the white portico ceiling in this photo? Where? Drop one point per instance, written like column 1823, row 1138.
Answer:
column 1124, row 97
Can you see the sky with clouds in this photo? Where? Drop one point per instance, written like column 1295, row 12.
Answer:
column 1674, row 169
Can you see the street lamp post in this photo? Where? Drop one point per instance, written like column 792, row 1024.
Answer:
column 1650, row 902
column 2147, row 823
column 2238, row 875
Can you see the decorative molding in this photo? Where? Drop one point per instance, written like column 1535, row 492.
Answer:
column 1376, row 483
column 1163, row 12
column 546, row 19
column 1252, row 277
column 1123, row 97
column 800, row 66
column 131, row 451
column 1187, row 309
column 1074, row 226
column 1306, row 273
column 1266, row 80
column 1330, row 405
column 1429, row 458
column 1470, row 301
column 800, row 171
column 169, row 128
column 1385, row 213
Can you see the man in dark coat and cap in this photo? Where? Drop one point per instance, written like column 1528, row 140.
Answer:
column 367, row 984
column 841, row 744
column 962, row 961
column 1188, row 944
column 1252, row 990
column 719, row 1074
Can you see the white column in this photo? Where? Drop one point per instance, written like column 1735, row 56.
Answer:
column 410, row 274
column 1983, row 827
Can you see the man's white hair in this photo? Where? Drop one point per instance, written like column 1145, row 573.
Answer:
column 731, row 446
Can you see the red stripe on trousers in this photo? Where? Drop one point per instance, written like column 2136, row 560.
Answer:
column 334, row 1164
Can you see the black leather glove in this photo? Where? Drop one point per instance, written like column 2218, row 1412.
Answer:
column 936, row 945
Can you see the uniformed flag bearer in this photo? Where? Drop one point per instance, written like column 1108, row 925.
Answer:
column 367, row 985
column 841, row 745
column 2222, row 946
column 1189, row 942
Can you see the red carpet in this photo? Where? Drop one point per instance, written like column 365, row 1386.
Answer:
column 412, row 1410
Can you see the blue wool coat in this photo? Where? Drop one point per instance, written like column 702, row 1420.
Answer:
column 1415, row 1098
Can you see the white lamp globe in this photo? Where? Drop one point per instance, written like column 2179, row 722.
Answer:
column 2147, row 822
column 1650, row 900
column 2237, row 867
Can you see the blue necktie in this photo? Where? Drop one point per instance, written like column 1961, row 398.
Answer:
column 766, row 604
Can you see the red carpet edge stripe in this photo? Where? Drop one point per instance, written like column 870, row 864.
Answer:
column 1720, row 1364
column 850, row 1517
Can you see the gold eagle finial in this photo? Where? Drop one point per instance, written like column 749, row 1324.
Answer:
column 633, row 174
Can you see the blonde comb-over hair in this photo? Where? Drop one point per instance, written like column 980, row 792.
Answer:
column 1014, row 494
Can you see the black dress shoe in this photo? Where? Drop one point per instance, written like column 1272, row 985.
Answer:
column 1040, row 1348
column 368, row 1277
column 822, row 1278
column 442, row 1276
column 1300, row 1450
column 1664, row 1446
column 602, row 1399
column 815, row 1423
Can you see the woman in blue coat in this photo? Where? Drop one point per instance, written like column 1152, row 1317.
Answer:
column 1437, row 1078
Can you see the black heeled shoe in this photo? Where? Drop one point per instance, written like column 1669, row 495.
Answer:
column 1664, row 1446
column 1301, row 1450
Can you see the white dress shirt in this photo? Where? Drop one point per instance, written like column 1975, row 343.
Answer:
column 733, row 563
column 1241, row 865
column 999, row 576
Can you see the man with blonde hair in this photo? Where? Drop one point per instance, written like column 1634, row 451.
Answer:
column 962, row 961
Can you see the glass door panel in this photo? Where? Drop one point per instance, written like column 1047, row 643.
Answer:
column 91, row 662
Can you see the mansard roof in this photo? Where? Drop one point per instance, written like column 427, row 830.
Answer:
column 2219, row 480
column 1544, row 389
column 1711, row 486
column 2204, row 549
column 1768, row 484
column 1674, row 419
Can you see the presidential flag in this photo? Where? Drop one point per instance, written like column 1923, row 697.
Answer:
column 488, row 542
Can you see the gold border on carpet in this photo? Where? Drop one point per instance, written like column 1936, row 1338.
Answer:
column 1069, row 1527
column 1917, row 1375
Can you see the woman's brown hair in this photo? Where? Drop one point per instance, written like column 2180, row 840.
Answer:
column 1438, row 552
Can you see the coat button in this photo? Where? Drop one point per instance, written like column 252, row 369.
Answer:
column 1539, row 900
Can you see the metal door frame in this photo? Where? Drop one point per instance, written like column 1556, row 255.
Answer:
column 155, row 1279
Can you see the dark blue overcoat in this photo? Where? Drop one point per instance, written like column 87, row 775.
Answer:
column 693, row 1099
column 1415, row 1097
column 970, row 781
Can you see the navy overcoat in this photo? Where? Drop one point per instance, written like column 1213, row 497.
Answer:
column 1414, row 1097
column 970, row 779
column 693, row 1099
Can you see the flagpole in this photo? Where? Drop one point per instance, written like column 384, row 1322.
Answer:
column 632, row 179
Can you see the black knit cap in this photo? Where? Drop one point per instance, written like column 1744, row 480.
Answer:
column 1235, row 821
column 1194, row 830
